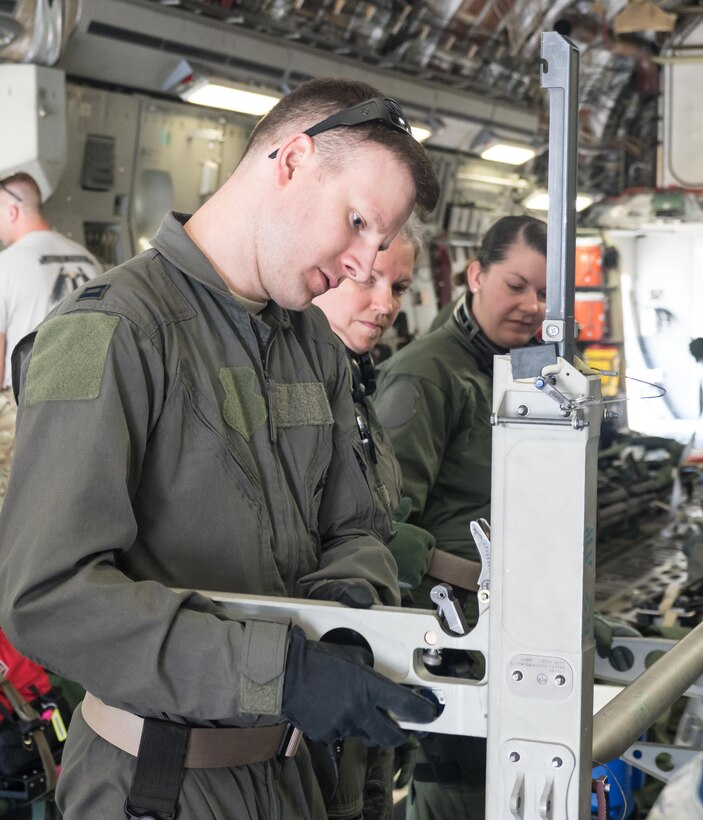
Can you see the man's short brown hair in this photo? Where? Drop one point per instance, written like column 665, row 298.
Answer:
column 26, row 187
column 315, row 100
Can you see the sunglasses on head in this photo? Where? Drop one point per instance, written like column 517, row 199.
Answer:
column 383, row 110
column 11, row 193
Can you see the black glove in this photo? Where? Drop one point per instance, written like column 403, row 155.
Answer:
column 355, row 596
column 329, row 694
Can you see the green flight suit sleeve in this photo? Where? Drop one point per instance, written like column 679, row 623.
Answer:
column 421, row 419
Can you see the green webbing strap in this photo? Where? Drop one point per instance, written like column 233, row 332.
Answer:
column 157, row 779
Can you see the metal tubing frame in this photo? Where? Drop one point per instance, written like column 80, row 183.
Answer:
column 625, row 718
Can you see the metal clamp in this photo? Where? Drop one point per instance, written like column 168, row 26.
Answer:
column 448, row 609
column 289, row 742
column 566, row 405
column 132, row 816
column 481, row 533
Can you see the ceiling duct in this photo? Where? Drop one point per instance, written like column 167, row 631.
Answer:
column 44, row 29
column 445, row 9
column 486, row 48
column 9, row 29
column 138, row 44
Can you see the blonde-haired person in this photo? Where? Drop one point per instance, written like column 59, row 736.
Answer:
column 434, row 401
column 357, row 780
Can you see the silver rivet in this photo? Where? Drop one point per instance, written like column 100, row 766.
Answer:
column 557, row 762
column 560, row 680
column 517, row 675
column 514, row 757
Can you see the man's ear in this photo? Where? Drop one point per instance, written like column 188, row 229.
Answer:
column 14, row 213
column 292, row 154
column 473, row 276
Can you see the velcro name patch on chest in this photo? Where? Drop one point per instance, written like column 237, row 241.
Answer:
column 302, row 404
column 69, row 356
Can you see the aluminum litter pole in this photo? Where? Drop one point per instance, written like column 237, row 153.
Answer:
column 618, row 724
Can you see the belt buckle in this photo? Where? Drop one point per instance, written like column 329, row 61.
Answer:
column 289, row 742
column 132, row 816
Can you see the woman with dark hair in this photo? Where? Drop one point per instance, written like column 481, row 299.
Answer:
column 434, row 401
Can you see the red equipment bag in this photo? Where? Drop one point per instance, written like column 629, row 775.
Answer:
column 33, row 717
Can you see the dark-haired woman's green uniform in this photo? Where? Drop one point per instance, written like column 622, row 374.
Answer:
column 434, row 401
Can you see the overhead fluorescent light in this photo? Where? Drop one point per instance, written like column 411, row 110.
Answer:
column 494, row 148
column 508, row 153
column 421, row 132
column 538, row 200
column 512, row 181
column 231, row 97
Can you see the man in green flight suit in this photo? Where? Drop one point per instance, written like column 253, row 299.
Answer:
column 184, row 423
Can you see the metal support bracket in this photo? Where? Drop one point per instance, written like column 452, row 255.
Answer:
column 633, row 656
column 659, row 760
column 398, row 639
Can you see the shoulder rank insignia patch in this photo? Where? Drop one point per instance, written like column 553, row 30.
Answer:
column 94, row 292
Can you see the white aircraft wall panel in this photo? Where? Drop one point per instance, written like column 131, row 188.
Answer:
column 682, row 114
column 164, row 156
column 185, row 153
column 662, row 291
column 79, row 212
column 33, row 133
